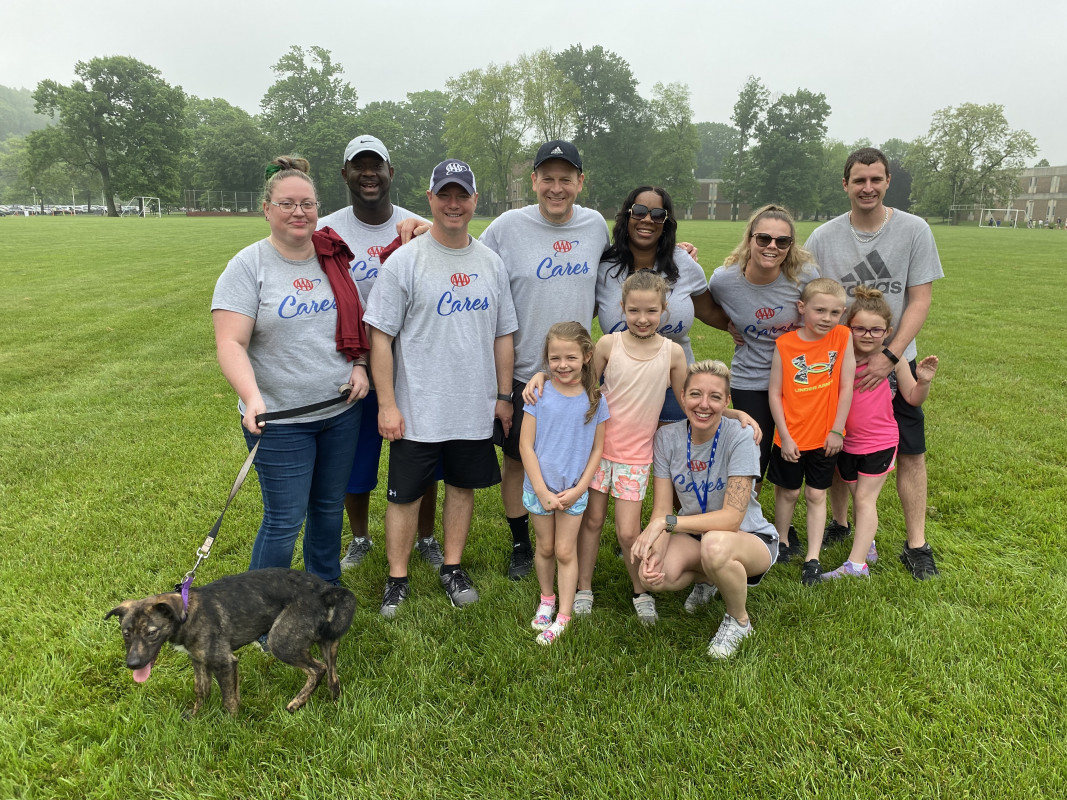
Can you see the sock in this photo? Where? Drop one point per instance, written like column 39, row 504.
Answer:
column 520, row 531
column 562, row 619
column 635, row 595
column 858, row 567
column 448, row 569
column 548, row 600
column 403, row 580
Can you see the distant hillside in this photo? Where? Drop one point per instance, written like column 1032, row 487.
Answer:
column 17, row 117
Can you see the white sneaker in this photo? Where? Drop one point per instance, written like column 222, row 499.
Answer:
column 543, row 616
column 645, row 606
column 700, row 597
column 551, row 633
column 728, row 638
column 583, row 602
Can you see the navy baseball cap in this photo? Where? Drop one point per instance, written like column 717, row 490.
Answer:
column 453, row 171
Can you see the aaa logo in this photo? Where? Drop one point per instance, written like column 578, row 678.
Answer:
column 305, row 284
column 374, row 251
column 766, row 313
column 462, row 279
column 563, row 246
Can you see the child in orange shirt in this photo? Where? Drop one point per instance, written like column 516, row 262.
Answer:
column 812, row 372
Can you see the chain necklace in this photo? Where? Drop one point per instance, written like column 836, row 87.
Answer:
column 863, row 237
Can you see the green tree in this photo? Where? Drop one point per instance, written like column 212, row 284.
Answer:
column 121, row 120
column 748, row 110
column 717, row 142
column 830, row 198
column 674, row 142
column 612, row 124
column 898, row 195
column 227, row 150
column 17, row 115
column 549, row 97
column 311, row 110
column 1042, row 163
column 424, row 147
column 969, row 155
column 486, row 126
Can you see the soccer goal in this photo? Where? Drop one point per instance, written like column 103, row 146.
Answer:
column 999, row 218
column 142, row 207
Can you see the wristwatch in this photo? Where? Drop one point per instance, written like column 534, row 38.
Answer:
column 890, row 355
column 671, row 522
column 503, row 397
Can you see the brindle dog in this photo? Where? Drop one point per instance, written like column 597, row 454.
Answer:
column 294, row 609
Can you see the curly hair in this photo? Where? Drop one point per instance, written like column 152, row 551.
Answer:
column 619, row 249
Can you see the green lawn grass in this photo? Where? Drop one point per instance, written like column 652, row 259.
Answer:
column 118, row 442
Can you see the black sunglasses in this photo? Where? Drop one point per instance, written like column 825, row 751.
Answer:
column 638, row 211
column 764, row 239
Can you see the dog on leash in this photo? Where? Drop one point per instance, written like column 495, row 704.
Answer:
column 293, row 609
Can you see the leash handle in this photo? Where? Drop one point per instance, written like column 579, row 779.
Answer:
column 344, row 391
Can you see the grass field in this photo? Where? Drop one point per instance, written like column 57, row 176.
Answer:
column 119, row 441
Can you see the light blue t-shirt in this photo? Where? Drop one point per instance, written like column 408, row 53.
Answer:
column 563, row 440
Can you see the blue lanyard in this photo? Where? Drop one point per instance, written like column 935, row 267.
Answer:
column 703, row 501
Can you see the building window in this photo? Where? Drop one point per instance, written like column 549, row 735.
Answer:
column 1055, row 184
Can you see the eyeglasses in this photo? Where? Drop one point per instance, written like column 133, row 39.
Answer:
column 638, row 211
column 859, row 330
column 288, row 206
column 764, row 239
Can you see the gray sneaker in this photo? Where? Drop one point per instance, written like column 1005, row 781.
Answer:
column 357, row 549
column 645, row 606
column 459, row 588
column 700, row 597
column 430, row 551
column 583, row 602
column 395, row 594
column 728, row 638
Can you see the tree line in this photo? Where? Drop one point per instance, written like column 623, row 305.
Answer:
column 121, row 130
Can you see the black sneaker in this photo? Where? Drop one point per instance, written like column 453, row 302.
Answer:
column 788, row 547
column 809, row 574
column 521, row 562
column 395, row 594
column 919, row 561
column 834, row 533
column 459, row 588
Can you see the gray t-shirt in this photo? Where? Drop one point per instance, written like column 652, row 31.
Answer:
column 736, row 454
column 445, row 307
column 903, row 255
column 293, row 348
column 365, row 241
column 762, row 314
column 564, row 439
column 678, row 318
column 552, row 270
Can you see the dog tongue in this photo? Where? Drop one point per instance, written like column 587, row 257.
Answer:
column 141, row 675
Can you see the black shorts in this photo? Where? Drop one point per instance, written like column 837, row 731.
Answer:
column 911, row 422
column 467, row 464
column 814, row 468
column 851, row 465
column 756, row 404
column 510, row 443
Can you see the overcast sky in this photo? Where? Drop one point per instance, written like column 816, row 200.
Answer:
column 884, row 68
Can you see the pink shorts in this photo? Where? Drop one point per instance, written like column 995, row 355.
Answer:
column 621, row 481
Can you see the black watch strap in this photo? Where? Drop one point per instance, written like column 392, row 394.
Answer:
column 890, row 355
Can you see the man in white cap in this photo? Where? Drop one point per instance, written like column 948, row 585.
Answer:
column 441, row 320
column 367, row 227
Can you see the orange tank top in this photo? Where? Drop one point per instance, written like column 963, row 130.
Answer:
column 811, row 384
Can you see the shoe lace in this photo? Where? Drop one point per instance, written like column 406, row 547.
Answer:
column 430, row 547
column 922, row 558
column 729, row 634
column 394, row 593
column 459, row 581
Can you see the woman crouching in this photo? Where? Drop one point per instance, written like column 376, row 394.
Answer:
column 726, row 544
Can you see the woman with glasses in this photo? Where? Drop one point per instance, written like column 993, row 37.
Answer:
column 289, row 333
column 644, row 238
column 758, row 286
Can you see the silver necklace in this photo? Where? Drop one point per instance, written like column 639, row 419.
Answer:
column 863, row 237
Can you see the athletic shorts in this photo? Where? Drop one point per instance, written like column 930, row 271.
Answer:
column 814, row 468
column 468, row 464
column 911, row 423
column 510, row 443
column 621, row 481
column 851, row 465
column 533, row 505
column 756, row 404
column 769, row 541
column 364, row 476
column 671, row 411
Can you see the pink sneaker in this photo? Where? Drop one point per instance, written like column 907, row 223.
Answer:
column 543, row 616
column 872, row 555
column 846, row 570
column 551, row 633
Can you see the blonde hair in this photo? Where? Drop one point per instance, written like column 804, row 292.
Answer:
column 872, row 300
column 285, row 167
column 795, row 260
column 645, row 280
column 576, row 332
column 708, row 366
column 823, row 286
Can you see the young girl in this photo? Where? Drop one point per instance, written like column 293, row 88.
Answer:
column 561, row 442
column 871, row 433
column 637, row 365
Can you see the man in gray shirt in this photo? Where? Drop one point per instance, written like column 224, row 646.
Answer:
column 892, row 251
column 368, row 226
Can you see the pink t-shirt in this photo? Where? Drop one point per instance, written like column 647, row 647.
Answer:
column 633, row 388
column 871, row 425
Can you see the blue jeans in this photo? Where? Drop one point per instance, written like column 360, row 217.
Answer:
column 303, row 469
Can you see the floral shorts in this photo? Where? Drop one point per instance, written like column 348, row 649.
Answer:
column 621, row 481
